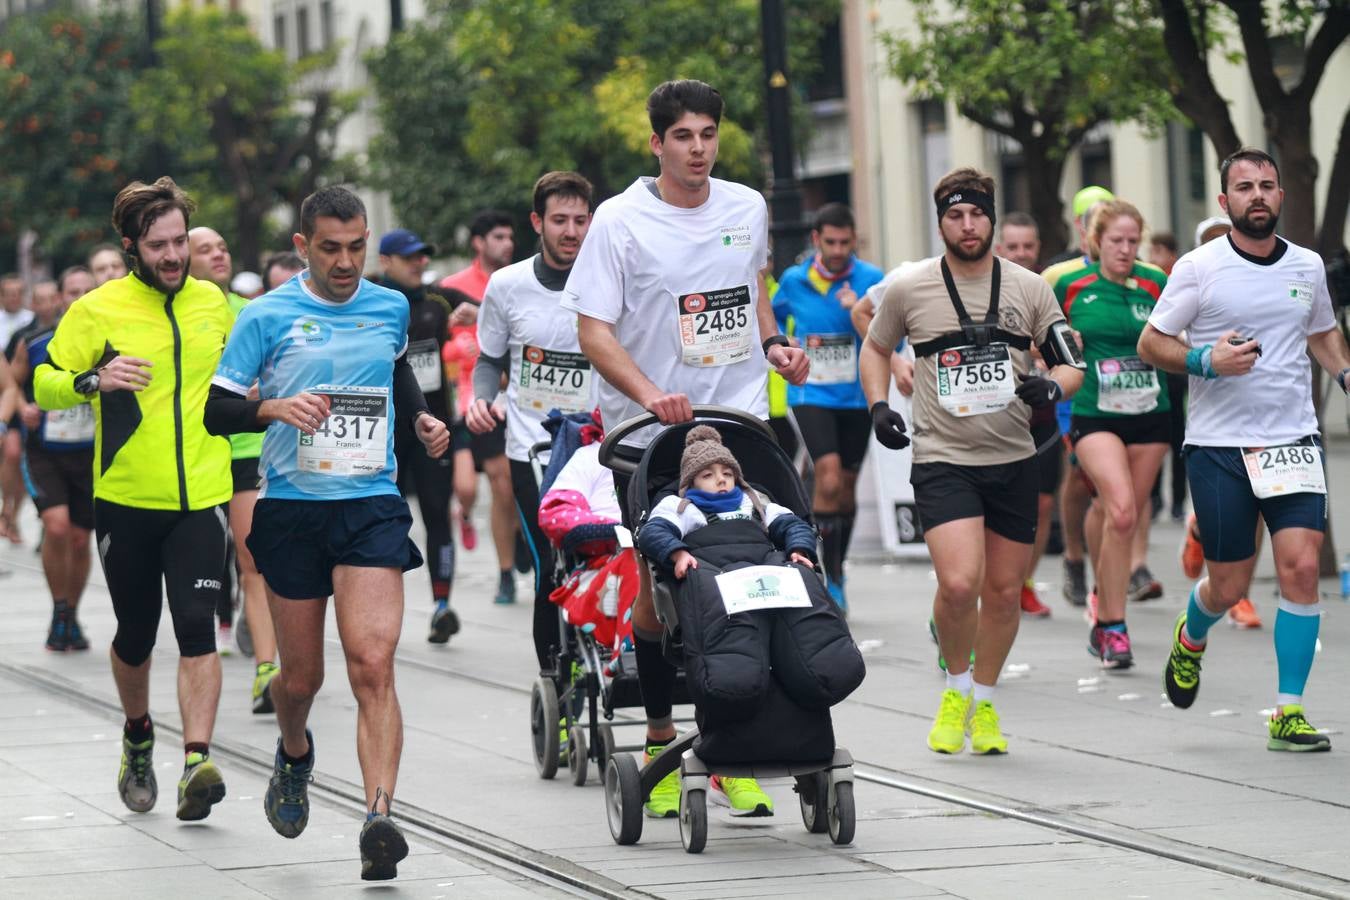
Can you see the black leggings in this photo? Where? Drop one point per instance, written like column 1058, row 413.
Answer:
column 138, row 548
column 526, row 490
column 431, row 480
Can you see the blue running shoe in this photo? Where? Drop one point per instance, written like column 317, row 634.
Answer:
column 837, row 595
column 287, row 800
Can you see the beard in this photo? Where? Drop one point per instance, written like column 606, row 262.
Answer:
column 970, row 256
column 1244, row 223
column 558, row 256
column 152, row 277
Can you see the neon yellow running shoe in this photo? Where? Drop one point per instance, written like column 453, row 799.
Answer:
column 743, row 795
column 664, row 802
column 262, row 688
column 949, row 729
column 1289, row 730
column 985, row 736
column 199, row 788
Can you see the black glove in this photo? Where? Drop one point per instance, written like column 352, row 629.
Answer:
column 889, row 426
column 1039, row 391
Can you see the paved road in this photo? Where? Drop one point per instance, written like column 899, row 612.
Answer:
column 1107, row 790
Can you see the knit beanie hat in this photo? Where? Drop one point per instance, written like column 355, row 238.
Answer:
column 702, row 447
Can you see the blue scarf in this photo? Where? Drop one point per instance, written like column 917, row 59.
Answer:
column 725, row 502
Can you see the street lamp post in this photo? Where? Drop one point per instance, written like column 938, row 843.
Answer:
column 785, row 200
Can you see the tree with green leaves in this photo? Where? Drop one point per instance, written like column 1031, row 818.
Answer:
column 483, row 96
column 67, row 135
column 1043, row 73
column 1317, row 29
column 249, row 131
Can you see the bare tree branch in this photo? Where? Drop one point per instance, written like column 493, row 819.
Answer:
column 1195, row 95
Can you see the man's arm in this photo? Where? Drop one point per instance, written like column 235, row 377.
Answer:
column 8, row 392
column 1162, row 351
column 1330, row 350
column 874, row 371
column 601, row 346
column 1069, row 379
column 790, row 362
column 489, row 373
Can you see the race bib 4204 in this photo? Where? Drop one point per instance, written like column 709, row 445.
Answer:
column 354, row 439
column 715, row 326
column 1126, row 385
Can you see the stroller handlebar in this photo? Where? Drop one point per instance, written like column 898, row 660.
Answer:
column 610, row 459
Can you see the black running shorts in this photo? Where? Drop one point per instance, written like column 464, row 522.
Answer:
column 827, row 430
column 297, row 543
column 62, row 479
column 1003, row 495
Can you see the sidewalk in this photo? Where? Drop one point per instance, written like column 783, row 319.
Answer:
column 1107, row 791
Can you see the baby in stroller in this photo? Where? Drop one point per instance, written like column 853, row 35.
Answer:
column 766, row 655
column 713, row 488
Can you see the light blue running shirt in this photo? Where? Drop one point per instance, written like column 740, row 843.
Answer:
column 291, row 341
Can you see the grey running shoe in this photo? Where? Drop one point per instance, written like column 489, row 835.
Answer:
column 136, row 777
column 1075, row 582
column 1143, row 586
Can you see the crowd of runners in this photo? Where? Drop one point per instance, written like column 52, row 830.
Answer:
column 167, row 409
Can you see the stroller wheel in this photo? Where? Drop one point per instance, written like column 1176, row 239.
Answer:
column 606, row 748
column 544, row 727
column 842, row 816
column 623, row 799
column 578, row 762
column 813, row 795
column 693, row 820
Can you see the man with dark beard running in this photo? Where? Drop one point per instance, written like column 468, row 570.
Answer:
column 1252, row 307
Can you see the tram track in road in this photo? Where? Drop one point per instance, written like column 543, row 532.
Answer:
column 487, row 851
column 503, row 855
column 1307, row 881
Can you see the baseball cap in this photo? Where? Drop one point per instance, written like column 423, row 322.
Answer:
column 1085, row 199
column 402, row 242
column 1209, row 225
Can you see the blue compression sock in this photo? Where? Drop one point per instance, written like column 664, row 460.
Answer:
column 1198, row 618
column 1296, row 627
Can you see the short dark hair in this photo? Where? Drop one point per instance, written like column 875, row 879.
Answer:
column 1164, row 239
column 335, row 202
column 102, row 248
column 1247, row 154
column 963, row 179
column 668, row 103
column 139, row 205
column 1019, row 219
column 564, row 185
column 287, row 259
column 837, row 215
column 485, row 220
column 69, row 271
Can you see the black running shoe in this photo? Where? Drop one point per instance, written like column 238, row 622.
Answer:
column 58, row 634
column 444, row 625
column 383, row 846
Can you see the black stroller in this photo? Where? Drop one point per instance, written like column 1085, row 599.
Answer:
column 779, row 738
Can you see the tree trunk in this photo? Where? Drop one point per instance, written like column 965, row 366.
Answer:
column 248, row 225
column 1044, row 176
column 1332, row 236
column 1290, row 130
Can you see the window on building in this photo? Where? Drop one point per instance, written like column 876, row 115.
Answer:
column 829, row 81
column 279, row 32
column 326, row 24
column 302, row 45
column 937, row 159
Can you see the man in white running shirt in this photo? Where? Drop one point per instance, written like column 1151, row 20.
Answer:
column 1252, row 305
column 523, row 330
column 672, row 311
